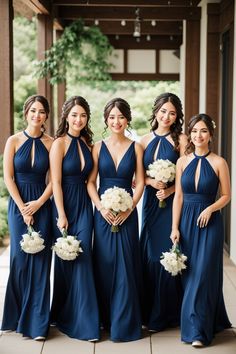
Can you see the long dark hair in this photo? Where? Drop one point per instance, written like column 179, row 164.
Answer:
column 194, row 120
column 36, row 98
column 123, row 107
column 176, row 127
column 63, row 127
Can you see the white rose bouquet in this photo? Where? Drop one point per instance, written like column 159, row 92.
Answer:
column 67, row 247
column 163, row 171
column 32, row 242
column 116, row 199
column 173, row 261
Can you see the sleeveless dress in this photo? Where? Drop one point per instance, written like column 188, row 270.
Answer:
column 160, row 287
column 203, row 310
column 27, row 301
column 74, row 306
column 117, row 256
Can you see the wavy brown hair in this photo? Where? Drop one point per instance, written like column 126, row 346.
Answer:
column 176, row 127
column 194, row 120
column 63, row 127
column 36, row 98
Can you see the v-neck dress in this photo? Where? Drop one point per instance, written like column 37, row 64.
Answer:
column 160, row 287
column 117, row 256
column 74, row 305
column 203, row 310
column 27, row 301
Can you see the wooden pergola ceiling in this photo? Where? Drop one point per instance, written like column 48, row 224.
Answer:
column 161, row 20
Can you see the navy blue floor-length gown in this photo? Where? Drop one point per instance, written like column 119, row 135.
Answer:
column 117, row 255
column 162, row 293
column 203, row 310
column 74, row 305
column 27, row 301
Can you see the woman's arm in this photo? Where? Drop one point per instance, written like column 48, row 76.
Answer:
column 92, row 186
column 56, row 156
column 177, row 203
column 8, row 171
column 225, row 193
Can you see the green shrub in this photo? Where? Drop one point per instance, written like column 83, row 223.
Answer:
column 3, row 218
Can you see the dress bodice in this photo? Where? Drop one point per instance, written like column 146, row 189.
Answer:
column 120, row 175
column 71, row 165
column 27, row 170
column 165, row 150
column 208, row 181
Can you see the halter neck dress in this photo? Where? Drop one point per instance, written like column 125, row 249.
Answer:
column 203, row 310
column 160, row 287
column 27, row 300
column 74, row 304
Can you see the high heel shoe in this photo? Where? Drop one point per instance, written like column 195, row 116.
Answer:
column 197, row 344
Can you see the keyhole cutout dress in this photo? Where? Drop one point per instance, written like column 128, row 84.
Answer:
column 27, row 301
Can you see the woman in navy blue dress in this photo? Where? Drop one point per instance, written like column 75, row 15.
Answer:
column 165, row 141
column 197, row 223
column 26, row 164
column 116, row 255
column 74, row 306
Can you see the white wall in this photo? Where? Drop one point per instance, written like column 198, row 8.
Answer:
column 203, row 61
column 233, row 174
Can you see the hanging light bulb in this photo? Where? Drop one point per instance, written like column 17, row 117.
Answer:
column 153, row 23
column 137, row 24
column 123, row 23
column 117, row 37
column 96, row 22
column 148, row 38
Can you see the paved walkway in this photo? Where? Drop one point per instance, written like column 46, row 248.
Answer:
column 166, row 342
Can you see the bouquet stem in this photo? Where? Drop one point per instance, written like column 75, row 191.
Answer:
column 162, row 204
column 114, row 228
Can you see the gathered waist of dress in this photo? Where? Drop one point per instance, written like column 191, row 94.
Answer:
column 75, row 179
column 106, row 183
column 30, row 178
column 199, row 198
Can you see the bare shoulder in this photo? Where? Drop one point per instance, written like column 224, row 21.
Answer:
column 145, row 139
column 183, row 161
column 138, row 147
column 47, row 137
column 218, row 161
column 97, row 147
column 183, row 139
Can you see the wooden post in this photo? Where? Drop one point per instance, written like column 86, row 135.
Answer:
column 192, row 68
column 61, row 92
column 6, row 71
column 45, row 41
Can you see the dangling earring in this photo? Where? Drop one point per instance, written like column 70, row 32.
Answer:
column 44, row 127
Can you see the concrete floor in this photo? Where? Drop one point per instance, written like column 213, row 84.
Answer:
column 166, row 342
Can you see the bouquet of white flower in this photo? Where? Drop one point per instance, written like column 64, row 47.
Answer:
column 67, row 247
column 173, row 261
column 32, row 242
column 163, row 171
column 116, row 199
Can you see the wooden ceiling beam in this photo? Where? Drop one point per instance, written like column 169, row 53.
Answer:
column 128, row 13
column 42, row 7
column 156, row 42
column 161, row 28
column 135, row 3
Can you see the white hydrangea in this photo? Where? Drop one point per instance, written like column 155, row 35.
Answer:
column 32, row 242
column 162, row 170
column 173, row 261
column 117, row 200
column 67, row 247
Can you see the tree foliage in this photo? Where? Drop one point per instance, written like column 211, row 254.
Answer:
column 84, row 50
